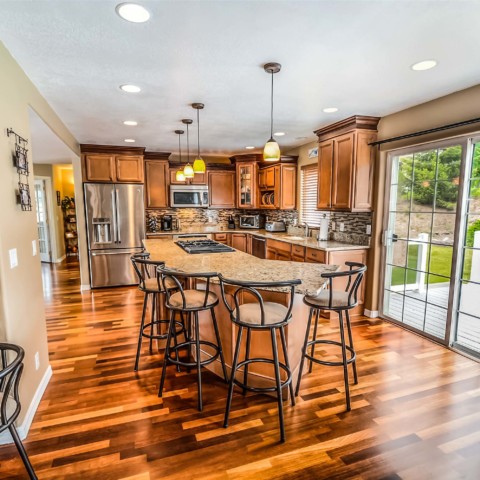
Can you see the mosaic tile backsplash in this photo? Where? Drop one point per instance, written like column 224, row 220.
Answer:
column 355, row 224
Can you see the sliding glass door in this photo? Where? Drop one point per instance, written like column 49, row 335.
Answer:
column 420, row 237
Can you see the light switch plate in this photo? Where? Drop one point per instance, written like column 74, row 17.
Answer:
column 369, row 229
column 13, row 257
column 334, row 226
column 34, row 248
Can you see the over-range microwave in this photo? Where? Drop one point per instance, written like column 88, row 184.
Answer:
column 191, row 196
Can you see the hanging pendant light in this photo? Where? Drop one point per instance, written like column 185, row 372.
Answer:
column 179, row 176
column 188, row 170
column 198, row 164
column 271, row 151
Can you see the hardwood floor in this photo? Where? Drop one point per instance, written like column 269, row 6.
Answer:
column 415, row 411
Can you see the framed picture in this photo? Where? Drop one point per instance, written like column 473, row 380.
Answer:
column 21, row 160
column 313, row 153
column 24, row 193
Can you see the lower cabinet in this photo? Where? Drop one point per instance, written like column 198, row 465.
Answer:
column 239, row 241
column 222, row 238
column 277, row 250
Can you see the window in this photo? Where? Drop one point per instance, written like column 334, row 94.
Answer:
column 308, row 195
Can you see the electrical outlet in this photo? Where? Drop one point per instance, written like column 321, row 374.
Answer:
column 369, row 229
column 342, row 226
column 13, row 258
column 334, row 226
column 37, row 361
column 34, row 248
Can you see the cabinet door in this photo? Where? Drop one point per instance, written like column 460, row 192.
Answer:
column 363, row 173
column 239, row 241
column 173, row 180
column 343, row 152
column 261, row 179
column 246, row 185
column 270, row 177
column 221, row 187
column 288, row 185
column 221, row 237
column 285, row 256
column 271, row 253
column 199, row 179
column 325, row 164
column 99, row 168
column 129, row 168
column 156, row 187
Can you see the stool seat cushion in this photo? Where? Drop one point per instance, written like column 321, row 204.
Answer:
column 193, row 298
column 151, row 284
column 251, row 313
column 339, row 299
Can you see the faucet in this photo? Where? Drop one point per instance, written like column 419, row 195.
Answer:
column 307, row 228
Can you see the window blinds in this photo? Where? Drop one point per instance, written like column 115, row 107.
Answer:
column 308, row 196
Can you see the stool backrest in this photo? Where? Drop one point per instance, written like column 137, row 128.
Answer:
column 241, row 287
column 354, row 274
column 179, row 279
column 10, row 373
column 145, row 268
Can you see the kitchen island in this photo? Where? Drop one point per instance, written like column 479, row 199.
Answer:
column 242, row 266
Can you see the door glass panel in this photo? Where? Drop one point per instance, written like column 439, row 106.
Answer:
column 424, row 188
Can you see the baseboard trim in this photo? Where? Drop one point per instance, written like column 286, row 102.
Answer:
column 23, row 429
column 371, row 313
column 84, row 288
column 60, row 260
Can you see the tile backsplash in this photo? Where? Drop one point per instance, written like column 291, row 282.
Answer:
column 354, row 224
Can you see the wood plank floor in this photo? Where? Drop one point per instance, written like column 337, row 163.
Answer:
column 415, row 411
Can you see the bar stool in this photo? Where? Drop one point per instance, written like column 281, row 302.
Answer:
column 260, row 316
column 152, row 287
column 340, row 301
column 190, row 301
column 10, row 407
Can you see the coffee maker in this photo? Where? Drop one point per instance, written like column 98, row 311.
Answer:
column 167, row 222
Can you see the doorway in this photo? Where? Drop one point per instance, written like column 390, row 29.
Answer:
column 43, row 222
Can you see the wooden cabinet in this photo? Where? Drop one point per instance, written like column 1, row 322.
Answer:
column 312, row 255
column 278, row 187
column 104, row 163
column 247, row 191
column 221, row 186
column 239, row 241
column 346, row 164
column 198, row 178
column 156, row 184
column 222, row 238
column 277, row 250
column 298, row 253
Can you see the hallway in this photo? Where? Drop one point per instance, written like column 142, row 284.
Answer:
column 415, row 411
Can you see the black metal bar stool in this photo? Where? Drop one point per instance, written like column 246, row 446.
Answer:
column 340, row 301
column 259, row 315
column 190, row 301
column 146, row 271
column 10, row 374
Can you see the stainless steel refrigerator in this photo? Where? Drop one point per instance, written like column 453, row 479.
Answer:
column 115, row 230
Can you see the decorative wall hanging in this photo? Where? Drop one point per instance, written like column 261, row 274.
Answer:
column 20, row 161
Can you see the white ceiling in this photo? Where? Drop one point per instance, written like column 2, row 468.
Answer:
column 354, row 55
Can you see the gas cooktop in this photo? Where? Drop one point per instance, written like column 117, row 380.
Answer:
column 204, row 246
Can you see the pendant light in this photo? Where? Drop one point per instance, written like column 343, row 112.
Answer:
column 179, row 176
column 271, row 151
column 188, row 170
column 198, row 164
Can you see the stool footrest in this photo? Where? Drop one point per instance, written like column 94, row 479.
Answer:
column 160, row 336
column 352, row 358
column 175, row 349
column 240, row 384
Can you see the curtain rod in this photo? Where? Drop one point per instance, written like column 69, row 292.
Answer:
column 425, row 132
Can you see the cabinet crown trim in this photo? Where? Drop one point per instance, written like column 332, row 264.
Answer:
column 157, row 155
column 361, row 122
column 111, row 149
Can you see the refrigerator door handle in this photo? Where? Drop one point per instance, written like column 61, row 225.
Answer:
column 117, row 202
column 115, row 226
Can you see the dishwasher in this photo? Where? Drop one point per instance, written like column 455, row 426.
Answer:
column 259, row 246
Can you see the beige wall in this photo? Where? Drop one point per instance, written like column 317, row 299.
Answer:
column 21, row 303
column 457, row 107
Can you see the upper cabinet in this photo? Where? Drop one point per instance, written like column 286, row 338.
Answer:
column 346, row 164
column 247, row 191
column 278, row 187
column 221, row 188
column 198, row 178
column 156, row 179
column 112, row 164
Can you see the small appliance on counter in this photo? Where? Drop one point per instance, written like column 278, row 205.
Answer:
column 277, row 226
column 252, row 221
column 231, row 222
column 167, row 222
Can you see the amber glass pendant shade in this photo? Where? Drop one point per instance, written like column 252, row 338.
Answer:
column 188, row 171
column 271, row 151
column 179, row 176
column 199, row 165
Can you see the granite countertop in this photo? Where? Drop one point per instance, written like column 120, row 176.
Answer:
column 240, row 266
column 327, row 245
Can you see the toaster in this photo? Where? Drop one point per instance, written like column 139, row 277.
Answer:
column 278, row 226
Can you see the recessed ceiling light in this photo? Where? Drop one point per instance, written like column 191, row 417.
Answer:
column 131, row 123
column 424, row 65
column 129, row 140
column 330, row 109
column 301, row 138
column 133, row 12
column 250, row 147
column 279, row 134
column 130, row 88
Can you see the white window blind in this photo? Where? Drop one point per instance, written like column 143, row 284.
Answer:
column 308, row 196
